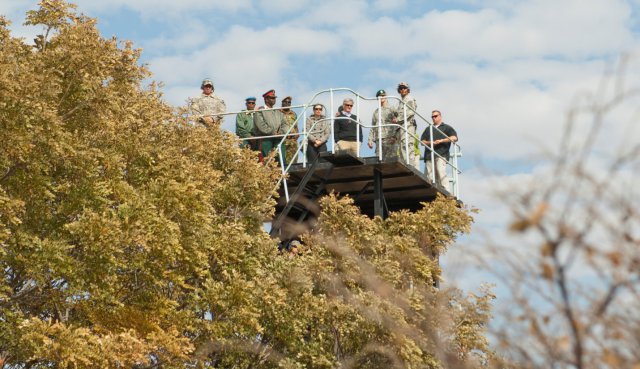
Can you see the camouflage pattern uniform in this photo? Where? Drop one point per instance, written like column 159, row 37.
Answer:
column 411, row 127
column 390, row 130
column 208, row 106
column 291, row 144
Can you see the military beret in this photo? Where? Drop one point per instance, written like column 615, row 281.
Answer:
column 270, row 93
column 250, row 98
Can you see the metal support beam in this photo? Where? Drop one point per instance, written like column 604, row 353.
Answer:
column 378, row 201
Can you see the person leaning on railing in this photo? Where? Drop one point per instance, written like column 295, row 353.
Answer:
column 207, row 108
column 443, row 136
column 318, row 131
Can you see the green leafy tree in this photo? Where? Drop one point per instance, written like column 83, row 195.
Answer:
column 130, row 237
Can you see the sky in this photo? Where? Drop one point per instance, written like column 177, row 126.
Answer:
column 504, row 73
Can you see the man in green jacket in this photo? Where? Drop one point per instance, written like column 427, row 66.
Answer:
column 244, row 123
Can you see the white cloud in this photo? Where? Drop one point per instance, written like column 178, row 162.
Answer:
column 166, row 10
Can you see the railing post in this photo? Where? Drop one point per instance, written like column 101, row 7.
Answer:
column 333, row 118
column 305, row 136
column 379, row 143
column 433, row 158
column 358, row 126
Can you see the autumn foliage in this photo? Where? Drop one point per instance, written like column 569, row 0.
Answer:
column 130, row 237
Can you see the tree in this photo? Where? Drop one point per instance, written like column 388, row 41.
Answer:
column 130, row 237
column 575, row 274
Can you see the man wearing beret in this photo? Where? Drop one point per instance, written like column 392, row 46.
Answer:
column 244, row 122
column 291, row 144
column 208, row 108
column 268, row 121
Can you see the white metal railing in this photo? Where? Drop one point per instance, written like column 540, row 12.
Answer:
column 301, row 147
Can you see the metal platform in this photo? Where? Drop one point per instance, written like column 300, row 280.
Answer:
column 377, row 186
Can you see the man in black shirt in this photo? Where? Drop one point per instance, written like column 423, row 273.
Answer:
column 443, row 136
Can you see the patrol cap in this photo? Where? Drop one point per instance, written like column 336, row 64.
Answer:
column 403, row 84
column 206, row 82
column 381, row 93
column 250, row 98
column 270, row 93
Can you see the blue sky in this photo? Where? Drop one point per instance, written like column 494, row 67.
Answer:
column 504, row 73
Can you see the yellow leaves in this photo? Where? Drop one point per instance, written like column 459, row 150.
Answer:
column 547, row 271
column 615, row 258
column 523, row 223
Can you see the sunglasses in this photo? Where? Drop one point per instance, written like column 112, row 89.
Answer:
column 317, row 108
column 434, row 116
column 348, row 104
column 251, row 102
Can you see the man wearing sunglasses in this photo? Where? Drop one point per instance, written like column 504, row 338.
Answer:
column 347, row 130
column 244, row 122
column 443, row 136
column 406, row 110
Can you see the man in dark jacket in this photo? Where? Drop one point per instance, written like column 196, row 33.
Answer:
column 347, row 130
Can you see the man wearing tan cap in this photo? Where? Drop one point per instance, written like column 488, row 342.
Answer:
column 406, row 111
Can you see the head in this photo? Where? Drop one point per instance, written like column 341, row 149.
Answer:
column 347, row 105
column 436, row 116
column 207, row 86
column 286, row 103
column 250, row 102
column 382, row 96
column 403, row 89
column 270, row 98
column 318, row 109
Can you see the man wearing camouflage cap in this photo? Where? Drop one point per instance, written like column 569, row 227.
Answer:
column 291, row 144
column 406, row 111
column 268, row 121
column 244, row 122
column 208, row 108
column 389, row 130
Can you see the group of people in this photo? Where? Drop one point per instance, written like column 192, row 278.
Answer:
column 261, row 128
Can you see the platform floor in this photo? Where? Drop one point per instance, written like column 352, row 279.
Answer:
column 403, row 186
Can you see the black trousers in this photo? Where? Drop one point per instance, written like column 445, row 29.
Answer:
column 313, row 152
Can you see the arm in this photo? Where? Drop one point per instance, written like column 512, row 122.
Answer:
column 221, row 108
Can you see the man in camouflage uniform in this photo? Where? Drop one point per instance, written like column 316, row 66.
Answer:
column 389, row 130
column 268, row 123
column 208, row 108
column 291, row 144
column 409, row 106
column 244, row 123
